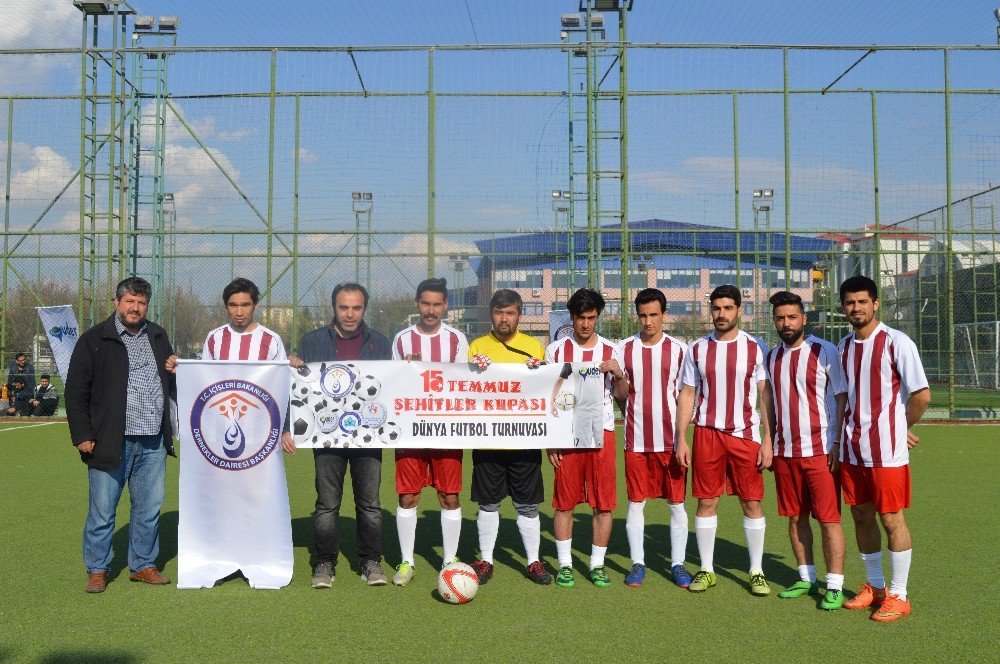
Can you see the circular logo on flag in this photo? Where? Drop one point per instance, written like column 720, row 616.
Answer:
column 235, row 424
column 373, row 414
column 563, row 331
column 349, row 422
column 327, row 422
column 337, row 381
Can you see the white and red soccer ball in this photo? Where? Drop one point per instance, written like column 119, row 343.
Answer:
column 458, row 583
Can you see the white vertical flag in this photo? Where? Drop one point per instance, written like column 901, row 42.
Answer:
column 233, row 502
column 560, row 324
column 62, row 330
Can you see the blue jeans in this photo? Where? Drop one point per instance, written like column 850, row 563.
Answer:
column 143, row 466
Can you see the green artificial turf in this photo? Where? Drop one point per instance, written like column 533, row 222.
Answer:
column 46, row 617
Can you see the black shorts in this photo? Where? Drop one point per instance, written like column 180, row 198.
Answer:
column 497, row 474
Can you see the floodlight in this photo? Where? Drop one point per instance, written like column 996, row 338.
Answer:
column 93, row 7
column 556, row 193
column 608, row 5
column 996, row 12
column 355, row 195
column 766, row 207
column 597, row 20
column 169, row 23
column 768, row 193
column 757, row 193
column 571, row 21
column 367, row 195
column 144, row 22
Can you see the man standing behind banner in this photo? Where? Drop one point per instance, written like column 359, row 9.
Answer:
column 346, row 338
column 499, row 473
column 117, row 404
column 430, row 340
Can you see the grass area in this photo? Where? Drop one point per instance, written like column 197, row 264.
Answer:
column 46, row 617
column 967, row 398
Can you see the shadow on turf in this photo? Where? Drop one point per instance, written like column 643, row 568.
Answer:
column 168, row 545
column 82, row 657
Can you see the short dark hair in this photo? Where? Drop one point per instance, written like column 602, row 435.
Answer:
column 21, row 354
column 584, row 300
column 506, row 297
column 647, row 295
column 434, row 286
column 348, row 287
column 45, row 377
column 134, row 286
column 241, row 285
column 727, row 290
column 857, row 284
column 18, row 379
column 781, row 298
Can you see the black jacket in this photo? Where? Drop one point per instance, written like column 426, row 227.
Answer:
column 321, row 345
column 96, row 388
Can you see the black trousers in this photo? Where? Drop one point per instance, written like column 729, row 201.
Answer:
column 366, row 476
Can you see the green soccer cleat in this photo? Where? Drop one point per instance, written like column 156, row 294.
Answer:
column 832, row 600
column 599, row 577
column 702, row 581
column 565, row 577
column 798, row 589
column 403, row 575
column 758, row 585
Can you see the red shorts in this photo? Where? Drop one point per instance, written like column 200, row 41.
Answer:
column 805, row 485
column 721, row 463
column 654, row 475
column 416, row 469
column 587, row 476
column 887, row 488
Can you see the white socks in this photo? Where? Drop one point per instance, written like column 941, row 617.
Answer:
column 834, row 581
column 704, row 532
column 635, row 525
column 531, row 535
column 754, row 529
column 451, row 529
column 900, row 562
column 597, row 555
column 678, row 533
column 564, row 552
column 873, row 568
column 406, row 527
column 807, row 573
column 488, row 525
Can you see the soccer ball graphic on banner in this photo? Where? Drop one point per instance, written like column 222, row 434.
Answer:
column 367, row 387
column 303, row 419
column 457, row 583
column 565, row 401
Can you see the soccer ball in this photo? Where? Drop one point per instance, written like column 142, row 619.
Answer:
column 306, row 375
column 565, row 401
column 457, row 583
column 367, row 387
column 364, row 436
column 304, row 423
column 320, row 405
column 354, row 405
column 301, row 392
column 389, row 433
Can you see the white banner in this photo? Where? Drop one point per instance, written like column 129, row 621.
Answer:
column 62, row 330
column 446, row 406
column 233, row 503
column 560, row 324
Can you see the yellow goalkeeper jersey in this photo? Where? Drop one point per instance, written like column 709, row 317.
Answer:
column 494, row 349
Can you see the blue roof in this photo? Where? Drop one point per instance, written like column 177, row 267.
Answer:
column 651, row 236
column 657, row 261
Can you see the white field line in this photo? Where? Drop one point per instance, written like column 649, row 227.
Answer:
column 28, row 426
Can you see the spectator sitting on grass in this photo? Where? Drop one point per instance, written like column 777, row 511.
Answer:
column 45, row 399
column 19, row 397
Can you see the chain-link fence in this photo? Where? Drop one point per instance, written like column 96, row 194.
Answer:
column 542, row 168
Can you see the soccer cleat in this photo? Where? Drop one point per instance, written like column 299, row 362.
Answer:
column 866, row 597
column 565, row 577
column 702, row 581
column 599, row 577
column 538, row 573
column 798, row 589
column 403, row 575
column 484, row 571
column 636, row 576
column 681, row 576
column 758, row 585
column 892, row 608
column 832, row 600
column 323, row 575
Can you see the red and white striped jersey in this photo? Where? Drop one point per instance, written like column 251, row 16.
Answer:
column 654, row 381
column 260, row 343
column 567, row 350
column 881, row 372
column 447, row 345
column 804, row 383
column 726, row 374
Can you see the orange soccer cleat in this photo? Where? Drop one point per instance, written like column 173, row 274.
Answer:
column 892, row 608
column 866, row 597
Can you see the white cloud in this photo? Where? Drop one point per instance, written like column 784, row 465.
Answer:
column 36, row 24
column 38, row 172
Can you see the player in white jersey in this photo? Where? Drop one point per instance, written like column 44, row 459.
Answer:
column 808, row 392
column 726, row 368
column 429, row 340
column 586, row 474
column 652, row 362
column 887, row 394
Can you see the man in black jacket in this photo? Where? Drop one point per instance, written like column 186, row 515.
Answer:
column 118, row 395
column 346, row 338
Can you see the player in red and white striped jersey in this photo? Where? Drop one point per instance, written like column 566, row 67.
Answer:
column 429, row 340
column 726, row 369
column 586, row 475
column 808, row 395
column 887, row 393
column 648, row 398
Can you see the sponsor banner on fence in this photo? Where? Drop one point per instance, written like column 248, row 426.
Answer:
column 560, row 325
column 446, row 406
column 233, row 503
column 62, row 330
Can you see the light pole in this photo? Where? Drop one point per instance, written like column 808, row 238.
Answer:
column 561, row 205
column 996, row 14
column 763, row 201
column 458, row 263
column 362, row 204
